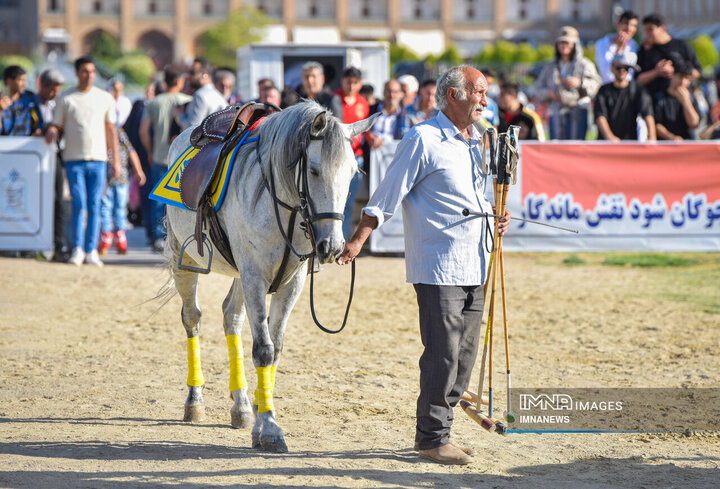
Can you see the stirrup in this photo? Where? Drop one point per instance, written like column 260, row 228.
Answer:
column 208, row 246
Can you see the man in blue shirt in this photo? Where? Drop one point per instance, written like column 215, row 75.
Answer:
column 436, row 173
column 20, row 108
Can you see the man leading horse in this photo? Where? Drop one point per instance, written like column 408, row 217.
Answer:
column 435, row 174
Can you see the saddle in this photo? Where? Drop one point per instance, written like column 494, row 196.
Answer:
column 216, row 136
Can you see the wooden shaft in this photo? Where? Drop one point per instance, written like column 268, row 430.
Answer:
column 477, row 416
column 499, row 189
column 471, row 397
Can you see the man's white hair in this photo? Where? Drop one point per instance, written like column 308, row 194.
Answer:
column 452, row 78
column 313, row 65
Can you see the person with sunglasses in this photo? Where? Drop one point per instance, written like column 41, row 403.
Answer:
column 619, row 104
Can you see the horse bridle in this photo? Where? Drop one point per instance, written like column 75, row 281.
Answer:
column 309, row 215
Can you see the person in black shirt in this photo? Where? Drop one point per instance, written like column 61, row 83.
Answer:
column 619, row 103
column 676, row 111
column 512, row 113
column 656, row 53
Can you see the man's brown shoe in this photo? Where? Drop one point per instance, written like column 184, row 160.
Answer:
column 469, row 450
column 446, row 454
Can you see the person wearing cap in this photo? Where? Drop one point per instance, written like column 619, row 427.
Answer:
column 410, row 87
column 618, row 104
column 620, row 42
column 49, row 83
column 712, row 131
column 568, row 84
column 656, row 54
column 354, row 108
column 676, row 111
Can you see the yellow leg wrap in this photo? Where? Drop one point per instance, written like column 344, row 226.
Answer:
column 195, row 376
column 264, row 391
column 235, row 355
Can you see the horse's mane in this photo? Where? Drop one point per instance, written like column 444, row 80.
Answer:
column 283, row 135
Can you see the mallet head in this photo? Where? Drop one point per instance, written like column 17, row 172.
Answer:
column 510, row 417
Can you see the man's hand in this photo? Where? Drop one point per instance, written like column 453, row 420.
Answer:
column 621, row 40
column 352, row 249
column 665, row 68
column 504, row 223
column 51, row 136
column 5, row 102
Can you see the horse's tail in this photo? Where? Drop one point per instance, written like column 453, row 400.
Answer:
column 167, row 291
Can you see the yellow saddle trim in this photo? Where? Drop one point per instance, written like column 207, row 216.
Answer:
column 167, row 189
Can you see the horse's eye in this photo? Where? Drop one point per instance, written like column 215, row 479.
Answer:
column 314, row 172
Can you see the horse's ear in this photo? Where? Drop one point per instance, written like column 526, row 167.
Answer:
column 362, row 126
column 318, row 125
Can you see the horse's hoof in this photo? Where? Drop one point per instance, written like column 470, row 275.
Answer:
column 256, row 441
column 194, row 413
column 242, row 419
column 273, row 444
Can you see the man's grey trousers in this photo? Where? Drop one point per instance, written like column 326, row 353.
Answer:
column 450, row 320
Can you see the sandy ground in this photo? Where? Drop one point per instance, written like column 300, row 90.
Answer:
column 93, row 383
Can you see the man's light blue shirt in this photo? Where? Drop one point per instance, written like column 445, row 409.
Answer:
column 436, row 173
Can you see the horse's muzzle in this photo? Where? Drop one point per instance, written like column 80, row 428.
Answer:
column 328, row 249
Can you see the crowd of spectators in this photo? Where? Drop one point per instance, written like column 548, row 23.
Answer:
column 632, row 91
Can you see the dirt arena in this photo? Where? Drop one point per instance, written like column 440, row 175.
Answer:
column 93, row 382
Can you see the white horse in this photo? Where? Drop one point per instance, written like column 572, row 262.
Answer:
column 258, row 246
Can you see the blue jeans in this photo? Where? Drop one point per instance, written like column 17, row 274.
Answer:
column 87, row 181
column 352, row 193
column 157, row 209
column 114, row 208
column 570, row 125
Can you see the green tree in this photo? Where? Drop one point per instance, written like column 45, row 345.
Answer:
column 546, row 52
column 399, row 52
column 706, row 52
column 15, row 59
column 504, row 52
column 589, row 52
column 242, row 26
column 137, row 67
column 526, row 53
column 106, row 48
column 451, row 55
column 486, row 55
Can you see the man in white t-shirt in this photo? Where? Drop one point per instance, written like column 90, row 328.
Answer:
column 613, row 44
column 85, row 115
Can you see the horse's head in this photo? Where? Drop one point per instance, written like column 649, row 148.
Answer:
column 331, row 166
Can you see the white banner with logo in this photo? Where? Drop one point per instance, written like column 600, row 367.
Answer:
column 388, row 238
column 27, row 186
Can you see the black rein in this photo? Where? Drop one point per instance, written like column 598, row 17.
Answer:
column 306, row 209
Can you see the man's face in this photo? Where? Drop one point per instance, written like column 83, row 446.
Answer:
column 225, row 86
column 48, row 92
column 629, row 26
column 17, row 85
column 470, row 109
column 619, row 71
column 506, row 100
column 197, row 75
column 117, row 90
column 86, row 75
column 350, row 85
column 653, row 32
column 313, row 81
column 271, row 95
column 392, row 94
column 427, row 94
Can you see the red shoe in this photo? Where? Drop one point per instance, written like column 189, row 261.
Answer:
column 106, row 240
column 121, row 242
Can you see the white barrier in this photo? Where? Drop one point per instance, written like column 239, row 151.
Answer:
column 27, row 185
